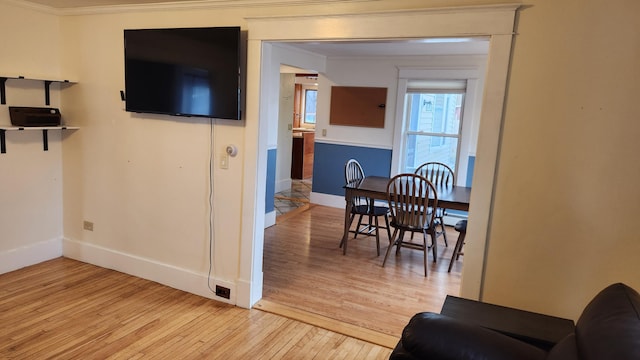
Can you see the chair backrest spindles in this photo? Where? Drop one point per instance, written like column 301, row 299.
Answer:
column 353, row 171
column 408, row 196
column 437, row 173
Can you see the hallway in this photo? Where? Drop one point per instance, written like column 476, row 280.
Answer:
column 294, row 198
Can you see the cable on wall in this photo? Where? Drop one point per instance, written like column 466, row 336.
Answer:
column 211, row 218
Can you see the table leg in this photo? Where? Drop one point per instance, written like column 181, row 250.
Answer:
column 347, row 215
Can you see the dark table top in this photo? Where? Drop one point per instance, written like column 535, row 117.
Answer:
column 375, row 187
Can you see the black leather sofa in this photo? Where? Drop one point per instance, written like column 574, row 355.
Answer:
column 608, row 329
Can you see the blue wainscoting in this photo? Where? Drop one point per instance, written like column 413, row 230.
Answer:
column 470, row 166
column 329, row 160
column 271, row 181
column 328, row 168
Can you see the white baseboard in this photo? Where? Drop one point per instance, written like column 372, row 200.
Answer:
column 28, row 255
column 165, row 274
column 452, row 219
column 327, row 200
column 282, row 185
column 249, row 292
column 269, row 219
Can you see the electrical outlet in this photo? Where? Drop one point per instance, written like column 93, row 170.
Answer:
column 324, row 132
column 88, row 225
column 223, row 292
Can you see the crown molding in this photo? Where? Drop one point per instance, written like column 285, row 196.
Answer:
column 31, row 6
column 173, row 5
column 510, row 7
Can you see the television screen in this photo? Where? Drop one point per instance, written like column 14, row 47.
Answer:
column 183, row 72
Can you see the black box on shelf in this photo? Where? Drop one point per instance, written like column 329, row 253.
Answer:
column 34, row 116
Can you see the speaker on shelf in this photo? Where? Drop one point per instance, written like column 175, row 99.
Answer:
column 34, row 116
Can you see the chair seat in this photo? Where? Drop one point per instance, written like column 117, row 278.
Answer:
column 363, row 207
column 366, row 210
column 461, row 226
column 407, row 227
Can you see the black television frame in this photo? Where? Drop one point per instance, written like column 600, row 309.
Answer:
column 190, row 72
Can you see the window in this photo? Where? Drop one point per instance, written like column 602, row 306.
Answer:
column 304, row 102
column 433, row 118
column 310, row 100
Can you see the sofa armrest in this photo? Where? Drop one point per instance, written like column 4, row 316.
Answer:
column 435, row 336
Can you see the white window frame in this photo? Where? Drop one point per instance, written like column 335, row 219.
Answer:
column 303, row 105
column 306, row 89
column 470, row 114
column 442, row 134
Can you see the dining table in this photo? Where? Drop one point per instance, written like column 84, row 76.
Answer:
column 375, row 188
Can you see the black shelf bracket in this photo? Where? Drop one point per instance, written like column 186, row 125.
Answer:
column 45, row 139
column 3, row 144
column 47, row 88
column 47, row 92
column 3, row 90
column 45, row 135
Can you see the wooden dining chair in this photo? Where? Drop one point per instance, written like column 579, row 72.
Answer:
column 362, row 206
column 408, row 196
column 441, row 176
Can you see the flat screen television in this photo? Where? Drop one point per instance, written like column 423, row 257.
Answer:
column 183, row 71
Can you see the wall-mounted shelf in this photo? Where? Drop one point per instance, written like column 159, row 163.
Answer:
column 44, row 129
column 47, row 84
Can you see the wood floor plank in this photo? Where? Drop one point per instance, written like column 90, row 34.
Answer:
column 304, row 268
column 65, row 309
column 330, row 324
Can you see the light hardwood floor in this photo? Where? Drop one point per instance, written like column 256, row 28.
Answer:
column 65, row 309
column 304, row 269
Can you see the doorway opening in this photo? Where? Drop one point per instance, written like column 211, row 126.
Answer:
column 314, row 236
column 494, row 22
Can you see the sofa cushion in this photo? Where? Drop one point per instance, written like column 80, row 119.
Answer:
column 564, row 350
column 609, row 327
column 435, row 336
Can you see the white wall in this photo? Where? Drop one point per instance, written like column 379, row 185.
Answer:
column 144, row 180
column 31, row 42
column 566, row 201
column 30, row 178
column 384, row 72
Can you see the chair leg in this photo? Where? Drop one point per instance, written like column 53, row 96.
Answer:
column 386, row 220
column 399, row 241
column 391, row 243
column 434, row 243
column 444, row 232
column 350, row 223
column 425, row 251
column 358, row 227
column 377, row 235
column 457, row 249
